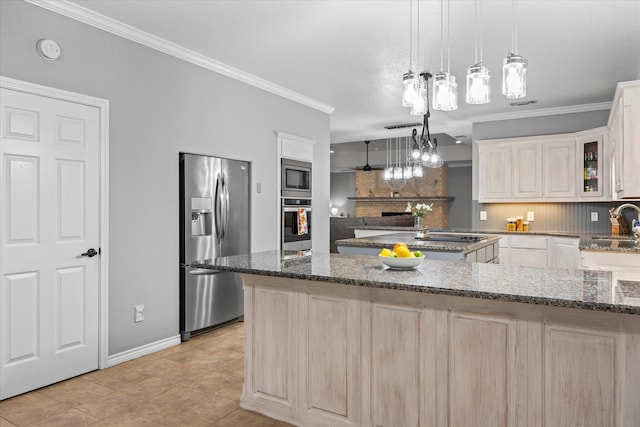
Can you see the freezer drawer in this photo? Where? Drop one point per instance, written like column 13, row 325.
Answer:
column 209, row 298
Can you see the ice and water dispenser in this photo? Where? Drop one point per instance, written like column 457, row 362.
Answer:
column 201, row 216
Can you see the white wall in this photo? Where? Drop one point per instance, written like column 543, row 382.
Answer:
column 160, row 106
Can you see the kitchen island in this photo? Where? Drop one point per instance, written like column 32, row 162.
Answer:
column 340, row 340
column 440, row 246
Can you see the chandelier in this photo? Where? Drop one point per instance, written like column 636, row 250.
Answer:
column 407, row 156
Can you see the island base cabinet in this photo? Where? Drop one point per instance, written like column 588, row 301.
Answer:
column 327, row 354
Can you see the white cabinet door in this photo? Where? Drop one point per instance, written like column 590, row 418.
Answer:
column 495, row 171
column 624, row 125
column 593, row 177
column 50, row 209
column 559, row 168
column 526, row 167
column 564, row 252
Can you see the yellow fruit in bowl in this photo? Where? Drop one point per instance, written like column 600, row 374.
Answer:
column 403, row 252
column 399, row 245
column 386, row 252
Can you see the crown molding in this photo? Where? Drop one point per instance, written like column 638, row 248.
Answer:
column 541, row 112
column 89, row 17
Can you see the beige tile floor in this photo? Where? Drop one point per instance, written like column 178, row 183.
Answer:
column 197, row 383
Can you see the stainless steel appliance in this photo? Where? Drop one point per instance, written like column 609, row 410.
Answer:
column 294, row 212
column 214, row 222
column 296, row 178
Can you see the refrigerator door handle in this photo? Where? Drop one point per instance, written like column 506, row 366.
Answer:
column 203, row 272
column 226, row 206
column 218, row 209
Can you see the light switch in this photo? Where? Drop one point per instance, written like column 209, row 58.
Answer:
column 483, row 215
column 530, row 216
column 594, row 216
column 259, row 187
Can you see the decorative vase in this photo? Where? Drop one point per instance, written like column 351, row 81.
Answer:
column 417, row 222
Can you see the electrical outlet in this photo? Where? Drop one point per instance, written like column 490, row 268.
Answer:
column 594, row 216
column 483, row 215
column 139, row 313
column 530, row 216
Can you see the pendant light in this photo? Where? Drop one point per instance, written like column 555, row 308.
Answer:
column 514, row 68
column 419, row 107
column 409, row 78
column 367, row 167
column 478, row 77
column 445, row 88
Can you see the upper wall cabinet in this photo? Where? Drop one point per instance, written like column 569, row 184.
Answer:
column 594, row 181
column 624, row 135
column 543, row 168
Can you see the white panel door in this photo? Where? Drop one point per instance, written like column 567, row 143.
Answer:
column 527, row 162
column 495, row 172
column 559, row 160
column 49, row 197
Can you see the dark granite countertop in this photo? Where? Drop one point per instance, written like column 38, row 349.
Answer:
column 589, row 290
column 623, row 244
column 388, row 240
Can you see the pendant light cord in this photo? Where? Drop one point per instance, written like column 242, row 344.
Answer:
column 418, row 39
column 514, row 35
column 410, row 35
column 441, row 38
column 476, row 35
column 448, row 33
column 480, row 30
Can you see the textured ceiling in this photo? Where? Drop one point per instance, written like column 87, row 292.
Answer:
column 351, row 54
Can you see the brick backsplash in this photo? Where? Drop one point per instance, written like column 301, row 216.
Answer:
column 433, row 183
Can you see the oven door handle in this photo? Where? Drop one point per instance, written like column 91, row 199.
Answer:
column 295, row 209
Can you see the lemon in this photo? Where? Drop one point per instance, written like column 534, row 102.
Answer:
column 403, row 252
column 399, row 245
column 385, row 252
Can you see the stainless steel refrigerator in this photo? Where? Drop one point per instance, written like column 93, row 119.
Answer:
column 214, row 222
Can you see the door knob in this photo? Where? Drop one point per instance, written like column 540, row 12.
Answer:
column 90, row 253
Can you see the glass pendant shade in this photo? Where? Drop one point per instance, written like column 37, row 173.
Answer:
column 514, row 77
column 397, row 172
column 436, row 161
column 445, row 92
column 419, row 107
column 408, row 89
column 388, row 174
column 478, row 79
column 415, row 151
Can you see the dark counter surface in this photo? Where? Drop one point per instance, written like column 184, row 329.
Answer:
column 588, row 290
column 588, row 241
column 388, row 240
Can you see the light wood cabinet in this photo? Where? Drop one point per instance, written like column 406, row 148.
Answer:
column 320, row 354
column 559, row 168
column 594, row 163
column 544, row 168
column 539, row 251
column 624, row 135
column 525, row 170
column 495, row 171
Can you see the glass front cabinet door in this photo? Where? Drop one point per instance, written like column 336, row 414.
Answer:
column 593, row 170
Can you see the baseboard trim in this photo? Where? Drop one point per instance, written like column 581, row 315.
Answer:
column 143, row 350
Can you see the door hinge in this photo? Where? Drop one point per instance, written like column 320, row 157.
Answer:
column 99, row 251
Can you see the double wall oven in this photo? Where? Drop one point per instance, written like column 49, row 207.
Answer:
column 296, row 210
column 296, row 224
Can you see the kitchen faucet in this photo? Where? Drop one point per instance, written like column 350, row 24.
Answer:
column 635, row 225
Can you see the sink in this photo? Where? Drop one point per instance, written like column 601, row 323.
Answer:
column 457, row 238
column 616, row 238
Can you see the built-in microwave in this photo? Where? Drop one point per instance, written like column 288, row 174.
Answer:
column 296, row 178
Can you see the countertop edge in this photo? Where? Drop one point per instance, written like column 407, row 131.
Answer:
column 553, row 302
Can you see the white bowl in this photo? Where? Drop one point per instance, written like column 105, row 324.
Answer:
column 401, row 263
